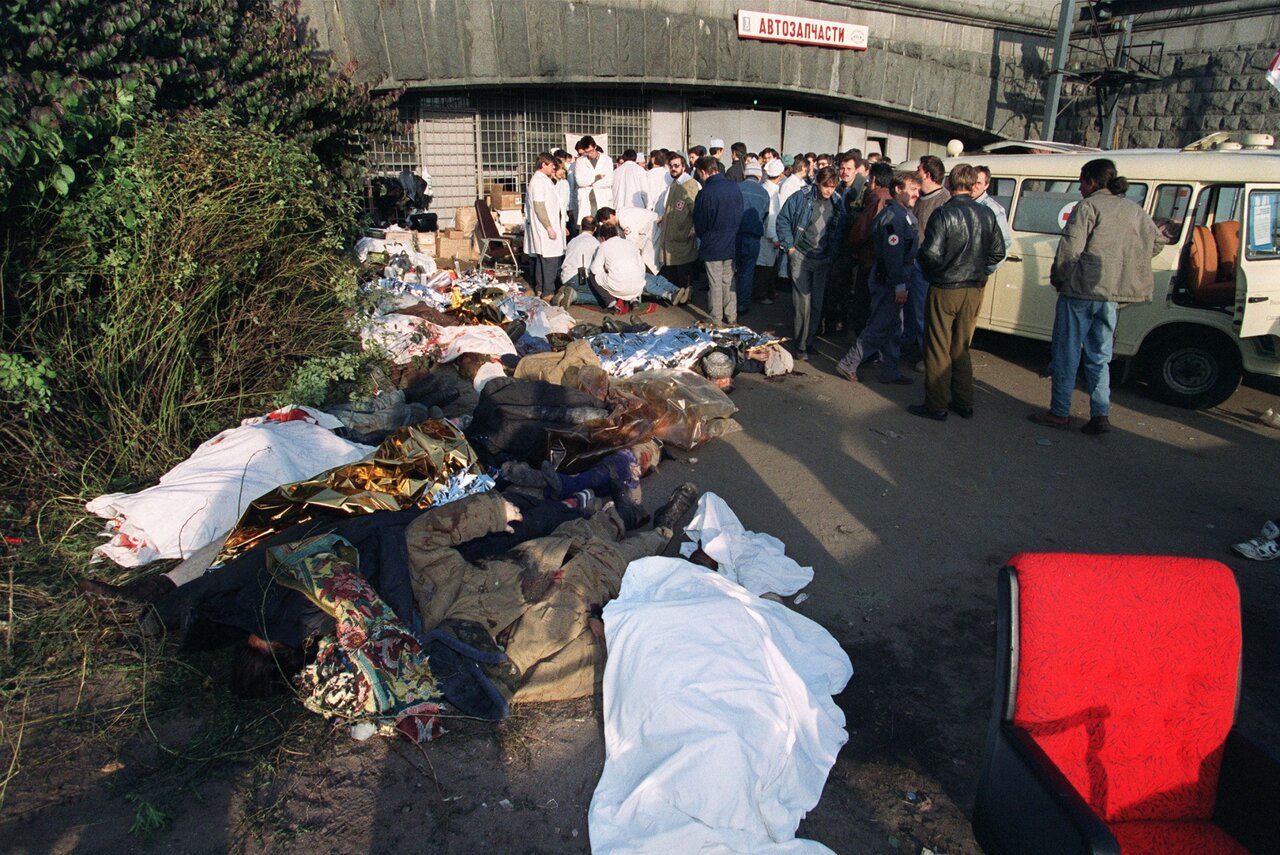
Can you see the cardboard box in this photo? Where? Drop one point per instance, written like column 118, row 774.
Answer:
column 448, row 247
column 425, row 242
column 398, row 240
column 502, row 200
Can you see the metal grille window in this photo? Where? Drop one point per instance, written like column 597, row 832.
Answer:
column 515, row 127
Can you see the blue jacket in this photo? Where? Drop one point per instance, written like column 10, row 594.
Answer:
column 717, row 213
column 755, row 209
column 894, row 236
column 795, row 215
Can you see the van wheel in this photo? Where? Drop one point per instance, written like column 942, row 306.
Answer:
column 1191, row 368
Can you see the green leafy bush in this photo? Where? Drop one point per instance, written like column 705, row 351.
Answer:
column 198, row 269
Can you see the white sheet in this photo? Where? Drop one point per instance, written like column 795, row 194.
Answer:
column 755, row 561
column 200, row 499
column 719, row 725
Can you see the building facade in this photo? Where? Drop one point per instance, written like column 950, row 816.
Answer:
column 487, row 84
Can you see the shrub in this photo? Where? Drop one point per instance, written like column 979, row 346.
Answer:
column 198, row 269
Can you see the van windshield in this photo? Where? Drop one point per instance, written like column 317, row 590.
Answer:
column 1045, row 204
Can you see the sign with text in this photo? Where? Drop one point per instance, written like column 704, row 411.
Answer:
column 766, row 26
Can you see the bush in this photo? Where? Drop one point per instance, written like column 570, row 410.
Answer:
column 200, row 267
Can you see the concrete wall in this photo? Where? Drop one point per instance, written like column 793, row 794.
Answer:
column 970, row 67
column 1213, row 71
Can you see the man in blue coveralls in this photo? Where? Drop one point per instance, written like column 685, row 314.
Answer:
column 894, row 236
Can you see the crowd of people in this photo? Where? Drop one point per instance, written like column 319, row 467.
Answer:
column 895, row 258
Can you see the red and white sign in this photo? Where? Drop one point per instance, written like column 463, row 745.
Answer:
column 766, row 26
column 1273, row 73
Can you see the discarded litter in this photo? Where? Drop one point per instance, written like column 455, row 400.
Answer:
column 1270, row 418
column 800, row 598
column 892, row 434
column 505, row 804
column 1044, row 442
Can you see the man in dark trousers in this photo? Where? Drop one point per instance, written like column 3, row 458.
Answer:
column 716, row 218
column 962, row 243
column 894, row 235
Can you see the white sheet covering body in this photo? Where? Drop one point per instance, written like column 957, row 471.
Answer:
column 754, row 560
column 200, row 499
column 719, row 726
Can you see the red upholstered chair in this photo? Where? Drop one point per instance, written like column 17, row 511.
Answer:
column 1112, row 728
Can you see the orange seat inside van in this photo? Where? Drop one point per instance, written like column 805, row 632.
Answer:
column 1207, row 281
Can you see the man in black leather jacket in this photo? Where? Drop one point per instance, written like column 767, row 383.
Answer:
column 962, row 246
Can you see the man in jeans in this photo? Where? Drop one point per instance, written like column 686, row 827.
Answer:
column 716, row 218
column 809, row 228
column 961, row 246
column 1103, row 259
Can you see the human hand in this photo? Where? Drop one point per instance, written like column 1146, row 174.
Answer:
column 551, row 233
column 513, row 515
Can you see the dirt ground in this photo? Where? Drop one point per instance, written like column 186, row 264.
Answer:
column 905, row 522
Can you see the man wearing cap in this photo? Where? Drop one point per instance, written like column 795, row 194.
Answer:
column 593, row 172
column 765, row 286
column 716, row 150
column 755, row 213
column 716, row 219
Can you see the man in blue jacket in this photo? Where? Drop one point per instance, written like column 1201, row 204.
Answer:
column 716, row 218
column 809, row 229
column 755, row 212
column 895, row 239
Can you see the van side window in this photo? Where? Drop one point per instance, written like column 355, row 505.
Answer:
column 1264, row 225
column 1173, row 201
column 1044, row 205
column 1001, row 190
column 1218, row 203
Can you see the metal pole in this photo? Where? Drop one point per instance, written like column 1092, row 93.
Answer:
column 1051, row 98
column 1107, row 139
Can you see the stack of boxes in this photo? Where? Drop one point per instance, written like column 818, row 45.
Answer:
column 507, row 208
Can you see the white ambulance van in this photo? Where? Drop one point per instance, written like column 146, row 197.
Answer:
column 1216, row 308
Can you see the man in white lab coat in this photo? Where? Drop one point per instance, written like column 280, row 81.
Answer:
column 659, row 180
column 593, row 171
column 544, row 226
column 630, row 183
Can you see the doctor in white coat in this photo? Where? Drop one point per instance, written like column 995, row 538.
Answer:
column 630, row 183
column 593, row 172
column 544, row 230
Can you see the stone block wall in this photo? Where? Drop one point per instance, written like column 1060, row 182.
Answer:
column 1212, row 80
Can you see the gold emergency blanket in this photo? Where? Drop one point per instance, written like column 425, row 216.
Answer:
column 408, row 470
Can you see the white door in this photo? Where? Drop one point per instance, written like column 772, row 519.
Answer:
column 449, row 146
column 758, row 129
column 809, row 133
column 1258, row 270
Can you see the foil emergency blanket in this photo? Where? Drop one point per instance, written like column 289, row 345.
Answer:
column 410, row 469
column 624, row 354
column 442, row 290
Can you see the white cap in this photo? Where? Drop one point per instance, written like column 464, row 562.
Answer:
column 716, row 143
column 773, row 168
column 752, row 170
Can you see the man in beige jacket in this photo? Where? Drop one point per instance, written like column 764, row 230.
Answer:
column 1103, row 260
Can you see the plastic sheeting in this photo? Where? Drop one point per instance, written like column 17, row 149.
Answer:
column 719, row 724
column 686, row 409
column 624, row 354
column 200, row 499
column 754, row 560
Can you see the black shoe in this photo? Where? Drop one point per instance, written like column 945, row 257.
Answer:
column 1097, row 426
column 925, row 413
column 681, row 501
column 140, row 592
column 962, row 412
column 514, row 330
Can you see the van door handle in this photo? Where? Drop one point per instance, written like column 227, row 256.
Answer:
column 1258, row 299
column 1014, row 258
